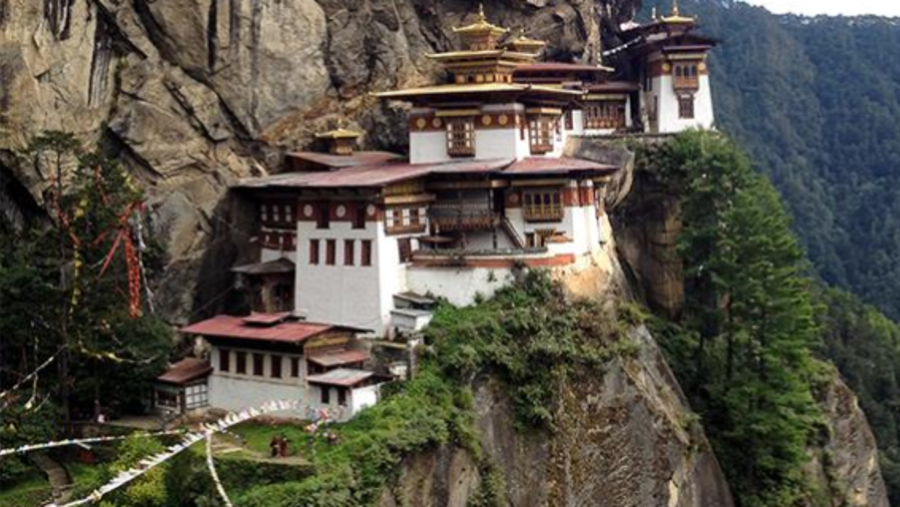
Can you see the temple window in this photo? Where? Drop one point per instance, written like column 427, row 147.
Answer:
column 264, row 212
column 366, row 259
column 359, row 217
column 275, row 370
column 686, row 75
column 543, row 206
column 258, row 365
column 330, row 252
column 224, row 360
column 349, row 252
column 541, row 129
column 288, row 213
column 404, row 245
column 313, row 251
column 605, row 115
column 323, row 220
column 461, row 137
column 276, row 216
column 295, row 367
column 686, row 107
column 326, row 395
column 241, row 362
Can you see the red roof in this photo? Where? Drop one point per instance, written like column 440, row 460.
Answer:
column 339, row 358
column 337, row 161
column 266, row 318
column 373, row 175
column 227, row 326
column 547, row 165
column 342, row 377
column 558, row 67
column 185, row 371
column 614, row 86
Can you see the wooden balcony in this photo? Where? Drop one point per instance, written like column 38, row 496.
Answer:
column 463, row 217
column 689, row 83
column 544, row 212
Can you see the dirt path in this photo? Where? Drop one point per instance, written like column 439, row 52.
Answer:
column 60, row 482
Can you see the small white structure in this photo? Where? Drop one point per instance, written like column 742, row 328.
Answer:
column 183, row 388
column 267, row 357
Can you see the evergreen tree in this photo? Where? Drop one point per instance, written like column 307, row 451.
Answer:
column 746, row 335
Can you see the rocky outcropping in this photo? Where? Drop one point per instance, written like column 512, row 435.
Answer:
column 845, row 465
column 625, row 436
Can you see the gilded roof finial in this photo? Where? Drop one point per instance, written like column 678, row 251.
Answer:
column 676, row 12
column 653, row 14
column 481, row 15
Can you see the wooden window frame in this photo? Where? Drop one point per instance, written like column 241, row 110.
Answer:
column 404, row 248
column 224, row 360
column 295, row 367
column 543, row 205
column 541, row 130
column 359, row 217
column 325, row 398
column 366, row 253
column 686, row 107
column 314, row 252
column 275, row 362
column 330, row 252
column 460, row 136
column 342, row 395
column 240, row 362
column 259, row 365
column 686, row 75
column 323, row 216
column 349, row 252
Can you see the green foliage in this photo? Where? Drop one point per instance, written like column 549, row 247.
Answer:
column 529, row 335
column 148, row 490
column 743, row 346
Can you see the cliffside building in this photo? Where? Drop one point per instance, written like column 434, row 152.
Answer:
column 367, row 240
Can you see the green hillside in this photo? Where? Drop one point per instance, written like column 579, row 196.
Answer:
column 817, row 103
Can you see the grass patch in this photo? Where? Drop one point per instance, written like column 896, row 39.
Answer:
column 31, row 489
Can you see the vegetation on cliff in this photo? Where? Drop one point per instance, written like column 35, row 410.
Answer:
column 529, row 336
column 743, row 346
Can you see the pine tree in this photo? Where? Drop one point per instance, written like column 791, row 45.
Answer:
column 748, row 320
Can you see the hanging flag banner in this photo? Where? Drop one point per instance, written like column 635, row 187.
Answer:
column 84, row 441
column 31, row 375
column 211, row 464
column 206, row 430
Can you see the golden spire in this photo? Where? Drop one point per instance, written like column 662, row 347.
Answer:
column 653, row 15
column 481, row 17
column 676, row 17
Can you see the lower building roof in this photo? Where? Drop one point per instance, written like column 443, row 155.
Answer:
column 341, row 377
column 385, row 174
column 340, row 161
column 185, row 371
column 282, row 331
column 339, row 358
column 278, row 266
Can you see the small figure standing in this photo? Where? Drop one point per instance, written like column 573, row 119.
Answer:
column 282, row 446
column 273, row 445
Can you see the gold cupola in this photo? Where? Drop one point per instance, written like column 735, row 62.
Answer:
column 341, row 141
column 523, row 44
column 480, row 35
column 675, row 17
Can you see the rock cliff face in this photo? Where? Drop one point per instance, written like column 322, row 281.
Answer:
column 625, row 436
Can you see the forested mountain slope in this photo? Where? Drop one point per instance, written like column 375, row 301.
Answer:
column 817, row 102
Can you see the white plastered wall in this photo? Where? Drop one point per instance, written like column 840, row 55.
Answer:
column 669, row 120
column 234, row 392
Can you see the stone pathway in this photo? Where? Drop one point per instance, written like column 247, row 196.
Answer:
column 225, row 446
column 60, row 482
